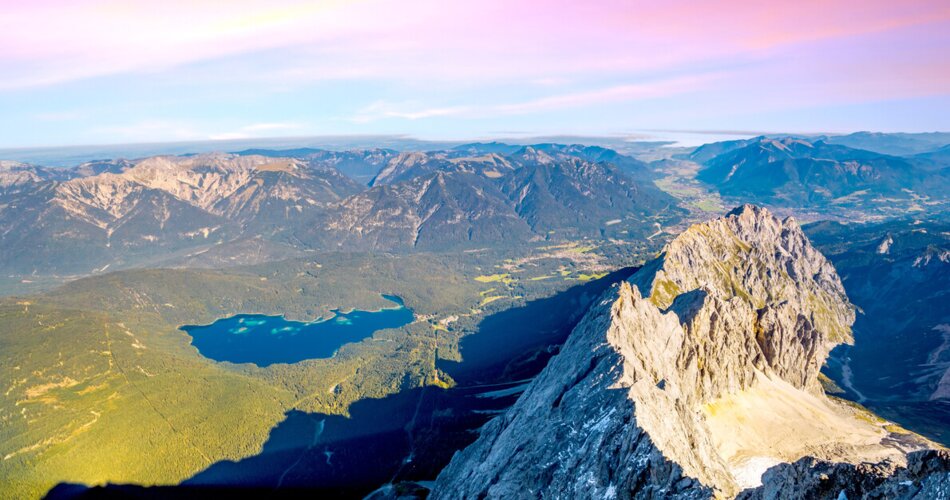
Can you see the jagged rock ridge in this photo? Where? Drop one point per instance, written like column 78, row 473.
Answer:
column 225, row 209
column 688, row 381
column 926, row 477
column 115, row 213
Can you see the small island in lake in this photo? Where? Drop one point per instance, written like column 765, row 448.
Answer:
column 265, row 340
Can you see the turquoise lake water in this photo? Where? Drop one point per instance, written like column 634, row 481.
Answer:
column 265, row 340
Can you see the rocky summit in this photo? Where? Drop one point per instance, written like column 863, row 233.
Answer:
column 689, row 380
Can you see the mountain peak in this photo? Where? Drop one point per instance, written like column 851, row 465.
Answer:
column 688, row 380
column 752, row 254
column 749, row 210
column 884, row 246
column 11, row 164
column 797, row 172
column 785, row 143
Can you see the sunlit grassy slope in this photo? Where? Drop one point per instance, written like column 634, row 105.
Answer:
column 99, row 384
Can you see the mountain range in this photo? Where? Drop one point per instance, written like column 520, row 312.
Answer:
column 214, row 207
column 796, row 172
column 895, row 144
column 576, row 332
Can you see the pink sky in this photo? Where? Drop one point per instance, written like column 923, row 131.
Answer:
column 545, row 54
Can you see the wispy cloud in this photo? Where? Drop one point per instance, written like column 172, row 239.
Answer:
column 267, row 127
column 612, row 94
column 544, row 41
column 293, row 67
column 173, row 130
column 407, row 111
column 148, row 131
column 617, row 93
column 257, row 130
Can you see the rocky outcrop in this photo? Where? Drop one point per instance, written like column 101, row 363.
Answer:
column 800, row 305
column 573, row 433
column 926, row 476
column 688, row 381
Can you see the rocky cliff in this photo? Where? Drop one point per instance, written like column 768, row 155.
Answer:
column 925, row 477
column 690, row 380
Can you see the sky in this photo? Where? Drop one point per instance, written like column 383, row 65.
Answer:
column 106, row 72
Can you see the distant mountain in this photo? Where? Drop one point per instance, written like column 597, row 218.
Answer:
column 898, row 274
column 687, row 381
column 284, row 194
column 939, row 157
column 219, row 209
column 360, row 165
column 633, row 167
column 707, row 152
column 898, row 144
column 483, row 148
column 407, row 166
column 556, row 190
column 15, row 176
column 280, row 153
column 439, row 210
column 385, row 166
column 495, row 159
column 892, row 143
column 797, row 172
column 578, row 196
column 101, row 167
column 159, row 206
column 432, row 201
column 74, row 228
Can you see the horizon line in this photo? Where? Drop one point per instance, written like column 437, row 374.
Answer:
column 631, row 137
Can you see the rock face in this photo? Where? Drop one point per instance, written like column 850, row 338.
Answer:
column 800, row 305
column 926, row 476
column 688, row 381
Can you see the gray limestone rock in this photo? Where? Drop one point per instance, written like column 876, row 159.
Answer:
column 621, row 411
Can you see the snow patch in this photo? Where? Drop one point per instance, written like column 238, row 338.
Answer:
column 748, row 472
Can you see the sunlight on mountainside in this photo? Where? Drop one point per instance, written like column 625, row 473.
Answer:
column 474, row 250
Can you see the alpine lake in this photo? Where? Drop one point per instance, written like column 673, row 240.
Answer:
column 266, row 340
